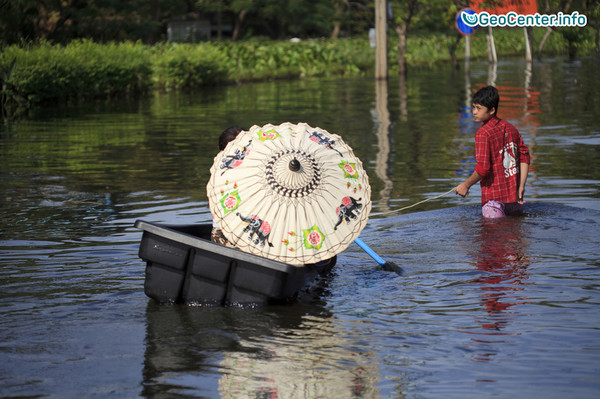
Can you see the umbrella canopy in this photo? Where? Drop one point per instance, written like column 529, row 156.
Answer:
column 289, row 192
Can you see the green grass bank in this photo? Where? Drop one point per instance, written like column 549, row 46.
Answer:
column 41, row 73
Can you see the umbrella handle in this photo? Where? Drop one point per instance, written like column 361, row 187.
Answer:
column 369, row 251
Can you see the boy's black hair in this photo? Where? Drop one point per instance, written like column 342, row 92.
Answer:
column 488, row 97
column 227, row 135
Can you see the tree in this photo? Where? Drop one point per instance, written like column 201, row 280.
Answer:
column 591, row 9
column 60, row 21
column 18, row 20
column 403, row 13
column 573, row 35
column 104, row 20
column 278, row 20
column 240, row 9
column 351, row 16
column 443, row 17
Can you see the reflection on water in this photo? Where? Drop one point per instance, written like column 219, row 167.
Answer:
column 488, row 295
column 165, row 144
column 503, row 255
column 299, row 363
column 286, row 352
column 382, row 121
column 484, row 308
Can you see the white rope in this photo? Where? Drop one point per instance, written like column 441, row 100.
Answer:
column 410, row 206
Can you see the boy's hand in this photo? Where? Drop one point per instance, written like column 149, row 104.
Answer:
column 462, row 189
column 520, row 194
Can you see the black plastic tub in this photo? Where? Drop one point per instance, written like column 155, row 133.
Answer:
column 184, row 266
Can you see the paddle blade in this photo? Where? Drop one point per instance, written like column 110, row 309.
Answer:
column 392, row 267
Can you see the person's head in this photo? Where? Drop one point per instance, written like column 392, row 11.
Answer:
column 485, row 104
column 227, row 135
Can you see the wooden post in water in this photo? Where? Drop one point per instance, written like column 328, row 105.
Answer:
column 492, row 57
column 528, row 55
column 381, row 67
column 467, row 49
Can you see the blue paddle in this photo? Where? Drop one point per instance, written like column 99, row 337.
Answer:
column 389, row 266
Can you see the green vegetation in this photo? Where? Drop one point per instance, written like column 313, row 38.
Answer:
column 80, row 70
column 252, row 60
column 180, row 66
column 84, row 69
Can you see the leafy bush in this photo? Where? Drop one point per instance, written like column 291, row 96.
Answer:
column 178, row 66
column 284, row 59
column 81, row 69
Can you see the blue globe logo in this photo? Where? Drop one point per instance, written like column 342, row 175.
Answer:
column 467, row 21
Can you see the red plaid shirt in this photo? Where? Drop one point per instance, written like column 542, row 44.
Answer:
column 499, row 149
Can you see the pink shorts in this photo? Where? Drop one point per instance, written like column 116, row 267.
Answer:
column 496, row 209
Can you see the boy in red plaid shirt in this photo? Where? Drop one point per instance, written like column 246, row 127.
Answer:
column 502, row 159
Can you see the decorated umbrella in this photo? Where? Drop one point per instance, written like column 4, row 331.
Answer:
column 290, row 192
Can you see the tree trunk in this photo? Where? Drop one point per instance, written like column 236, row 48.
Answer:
column 543, row 41
column 238, row 25
column 154, row 34
column 336, row 30
column 401, row 31
column 453, row 52
column 597, row 41
column 220, row 22
column 572, row 49
column 550, row 30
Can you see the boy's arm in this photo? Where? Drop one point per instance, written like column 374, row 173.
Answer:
column 524, row 169
column 524, row 159
column 482, row 157
column 463, row 188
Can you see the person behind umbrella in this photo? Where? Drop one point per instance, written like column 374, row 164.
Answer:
column 225, row 137
column 502, row 159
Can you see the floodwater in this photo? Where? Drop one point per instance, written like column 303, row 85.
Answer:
column 502, row 308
